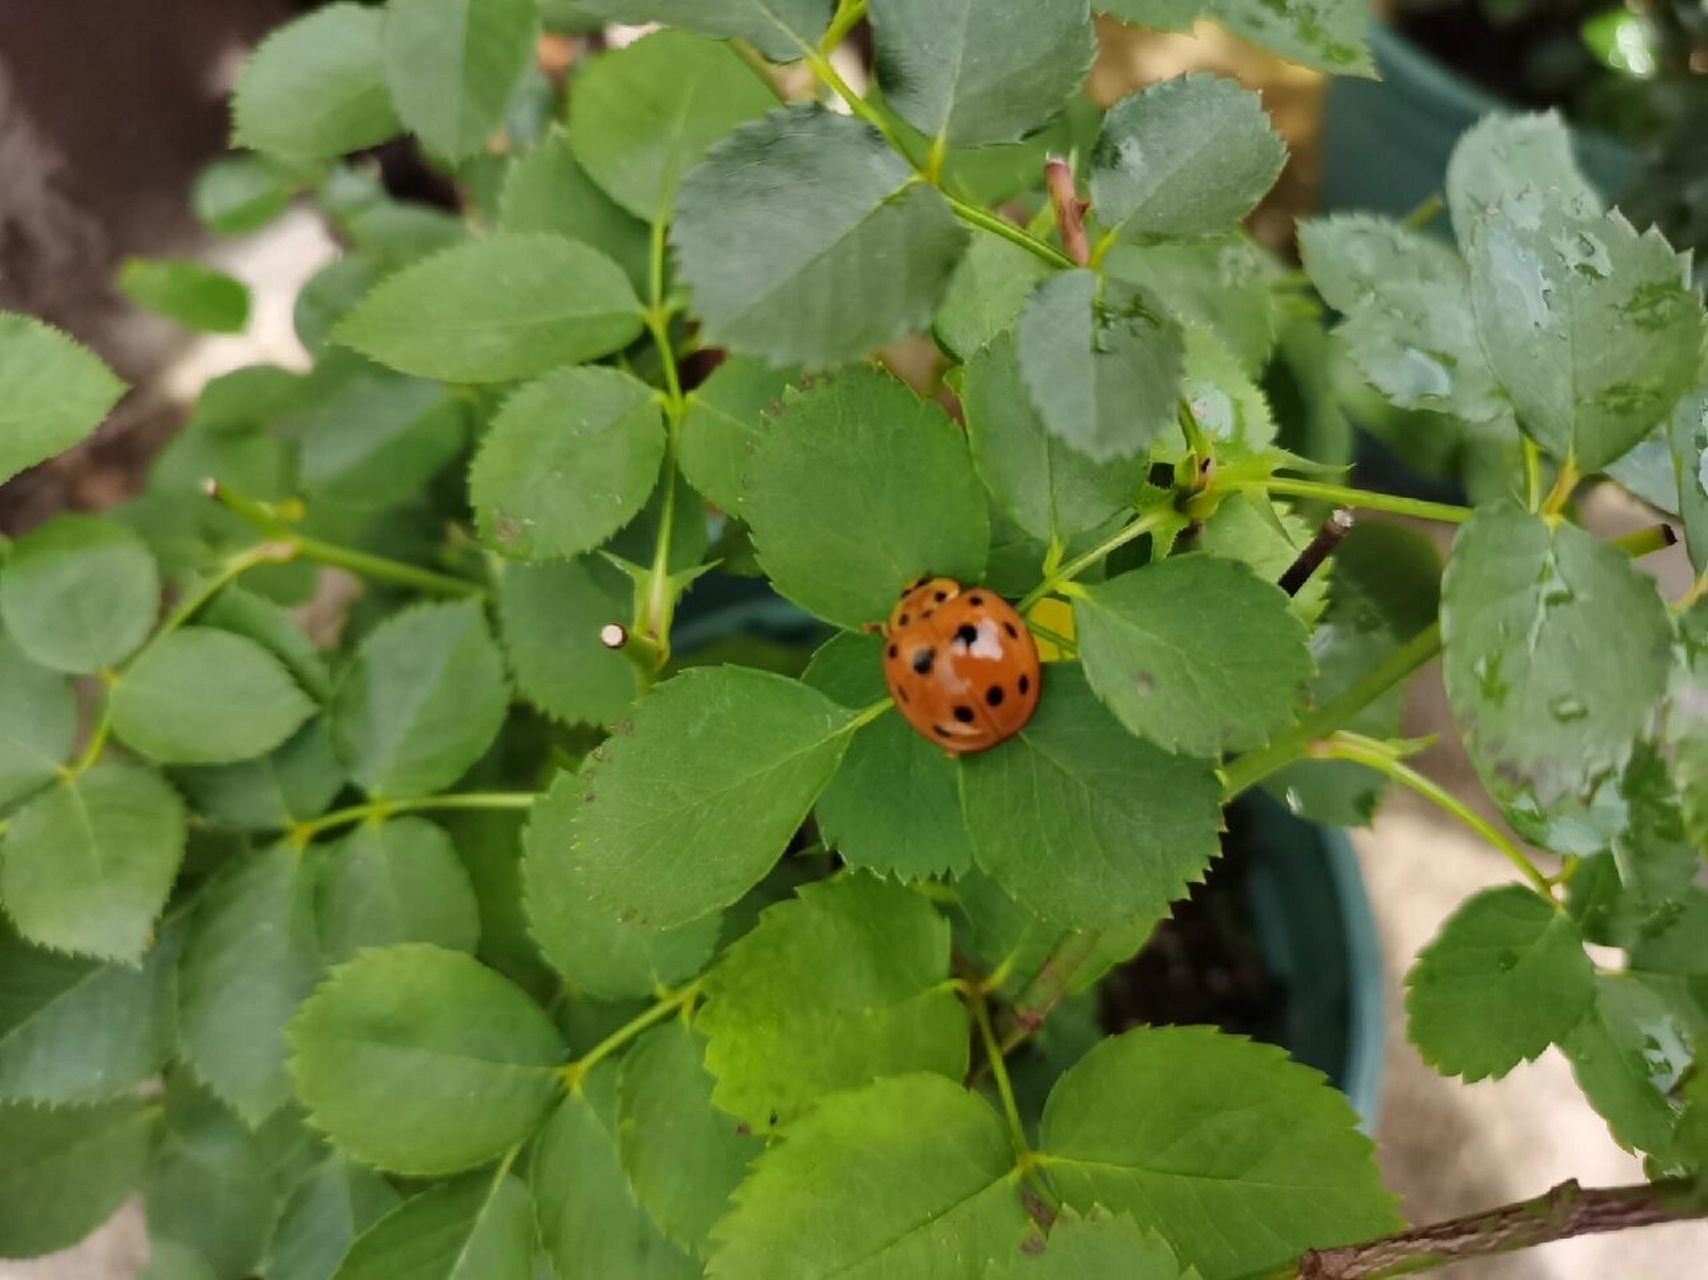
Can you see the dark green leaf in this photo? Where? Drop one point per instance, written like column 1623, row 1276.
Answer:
column 780, row 29
column 986, row 294
column 241, row 193
column 1082, row 823
column 398, row 882
column 422, row 1061
column 56, row 393
column 1101, row 364
column 1221, row 284
column 78, row 593
column 86, row 866
column 1501, row 155
column 722, row 427
column 275, row 629
column 1238, row 1157
column 548, row 190
column 549, row 617
column 567, row 462
column 316, row 88
column 1330, row 35
column 64, row 1171
column 452, row 65
column 38, row 724
column 858, row 486
column 925, row 1181
column 510, row 306
column 1687, row 435
column 1627, row 1055
column 1353, row 258
column 843, row 254
column 475, row 1228
column 422, row 701
column 291, row 784
column 378, row 439
column 334, row 1204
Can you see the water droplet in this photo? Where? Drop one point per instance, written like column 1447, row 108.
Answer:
column 1506, row 959
column 1567, row 708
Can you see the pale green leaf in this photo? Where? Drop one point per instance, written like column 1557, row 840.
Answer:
column 378, row 439
column 722, row 427
column 892, row 807
column 475, row 1228
column 511, row 306
column 926, row 1185
column 780, row 29
column 1216, row 389
column 423, row 700
column 56, row 393
column 1329, row 35
column 1095, row 1245
column 1186, row 157
column 1238, row 1157
column 843, row 984
column 316, row 88
column 189, row 294
column 276, row 630
column 684, row 812
column 1353, row 257
column 205, row 696
column 291, row 784
column 422, row 1061
column 1557, row 650
column 78, row 593
column 548, row 190
column 38, row 724
column 451, row 66
column 250, row 957
column 1222, row 284
column 843, row 253
column 549, row 618
column 396, row 882
column 986, row 294
column 334, row 1204
column 1156, row 15
column 596, row 953
column 240, row 193
column 63, row 1171
column 1081, row 822
column 857, row 487
column 1687, row 435
column 1627, row 1056
column 567, row 462
column 1101, row 364
column 1501, row 155
column 1196, row 653
column 86, row 866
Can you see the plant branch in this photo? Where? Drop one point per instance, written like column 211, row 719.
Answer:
column 848, row 15
column 974, row 995
column 379, row 810
column 1079, row 564
column 1365, row 499
column 574, row 1074
column 1565, row 1211
column 1045, row 991
column 1070, row 209
column 1644, row 542
column 656, row 607
column 1329, row 536
column 987, row 221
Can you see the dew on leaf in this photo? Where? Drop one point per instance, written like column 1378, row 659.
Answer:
column 1567, row 708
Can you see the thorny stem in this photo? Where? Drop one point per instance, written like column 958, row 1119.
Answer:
column 1565, row 1211
column 379, row 810
column 1079, row 564
column 1365, row 499
column 574, row 1074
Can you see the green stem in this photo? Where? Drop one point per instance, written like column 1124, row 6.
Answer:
column 574, row 1074
column 1079, row 564
column 1047, row 987
column 1254, row 766
column 1532, row 473
column 1645, row 542
column 848, row 15
column 1561, row 493
column 657, row 606
column 379, row 810
column 975, row 998
column 1696, row 591
column 1366, row 499
column 987, row 221
column 1425, row 213
column 1374, row 755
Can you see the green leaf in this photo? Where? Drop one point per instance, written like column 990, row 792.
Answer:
column 250, row 957
column 241, row 193
column 56, row 393
column 845, row 983
column 396, row 882
column 78, row 593
column 683, row 1157
column 1330, row 35
column 893, row 806
column 476, row 1228
column 1196, row 653
column 1248, row 527
column 422, row 1061
column 1594, row 330
column 38, row 724
column 1223, row 399
column 1187, row 157
column 1556, row 650
column 1098, row 1244
column 334, row 1204
column 1501, row 155
column 378, row 439
column 1627, row 1055
column 1221, row 284
column 421, row 703
column 291, row 784
column 74, row 1031
column 316, row 88
column 722, row 427
column 1238, row 1157
column 549, row 617
column 189, row 294
column 1687, row 435
column 597, row 954
column 1082, row 823
column 1101, row 364
column 452, row 65
column 510, row 306
column 589, row 1223
column 973, row 71
column 780, row 29
column 986, row 294
column 205, row 696
column 685, row 811
column 1050, row 490
column 804, row 239
column 1504, row 978
column 548, row 190
column 64, row 1171
column 567, row 462
column 828, row 463
column 1353, row 258
column 86, row 866
column 926, row 1185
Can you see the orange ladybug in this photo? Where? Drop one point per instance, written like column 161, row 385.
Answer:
column 960, row 664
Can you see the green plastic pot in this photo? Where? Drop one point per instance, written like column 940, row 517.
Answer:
column 1306, row 892
column 1386, row 142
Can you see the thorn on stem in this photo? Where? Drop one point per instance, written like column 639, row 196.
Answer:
column 1070, row 209
column 1335, row 528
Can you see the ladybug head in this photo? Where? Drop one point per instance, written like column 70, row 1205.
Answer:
column 920, row 599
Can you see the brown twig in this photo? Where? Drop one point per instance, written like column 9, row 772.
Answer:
column 1565, row 1211
column 1070, row 209
column 1336, row 527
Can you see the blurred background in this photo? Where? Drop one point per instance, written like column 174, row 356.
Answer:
column 108, row 108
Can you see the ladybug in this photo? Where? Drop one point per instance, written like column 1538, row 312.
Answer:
column 960, row 664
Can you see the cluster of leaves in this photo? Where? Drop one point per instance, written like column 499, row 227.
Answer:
column 681, row 975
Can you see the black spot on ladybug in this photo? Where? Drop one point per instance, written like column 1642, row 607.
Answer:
column 940, row 596
column 1012, row 633
column 965, row 634
column 918, row 582
column 1025, row 684
column 902, row 620
column 964, row 714
column 922, row 661
column 894, row 651
column 940, row 731
column 977, row 601
column 993, row 696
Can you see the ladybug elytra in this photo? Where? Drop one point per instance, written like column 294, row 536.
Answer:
column 960, row 664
